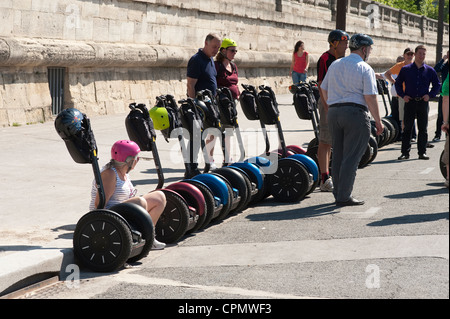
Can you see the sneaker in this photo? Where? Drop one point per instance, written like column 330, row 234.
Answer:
column 436, row 139
column 157, row 245
column 212, row 166
column 326, row 186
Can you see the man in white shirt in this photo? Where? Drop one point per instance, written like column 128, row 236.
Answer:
column 350, row 90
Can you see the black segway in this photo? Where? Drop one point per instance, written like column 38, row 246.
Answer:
column 290, row 181
column 305, row 99
column 214, row 109
column 185, row 209
column 229, row 119
column 104, row 239
column 181, row 121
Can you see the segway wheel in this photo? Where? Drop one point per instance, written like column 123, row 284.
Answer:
column 102, row 241
column 209, row 201
column 256, row 176
column 290, row 182
column 237, row 181
column 174, row 221
column 296, row 149
column 194, row 198
column 250, row 186
column 311, row 167
column 224, row 213
column 139, row 219
column 220, row 189
column 442, row 166
column 373, row 144
column 364, row 161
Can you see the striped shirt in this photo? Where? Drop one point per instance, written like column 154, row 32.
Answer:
column 348, row 80
column 124, row 190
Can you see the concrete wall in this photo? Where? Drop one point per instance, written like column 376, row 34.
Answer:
column 120, row 51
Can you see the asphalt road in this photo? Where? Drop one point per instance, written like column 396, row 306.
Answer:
column 395, row 246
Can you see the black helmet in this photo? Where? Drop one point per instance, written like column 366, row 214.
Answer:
column 75, row 129
column 359, row 40
column 337, row 35
column 68, row 123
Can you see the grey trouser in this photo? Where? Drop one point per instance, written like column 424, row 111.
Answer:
column 350, row 131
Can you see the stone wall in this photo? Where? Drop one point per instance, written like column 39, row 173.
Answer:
column 119, row 51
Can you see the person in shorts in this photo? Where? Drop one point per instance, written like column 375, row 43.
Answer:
column 338, row 41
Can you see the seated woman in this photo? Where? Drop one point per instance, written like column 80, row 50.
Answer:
column 119, row 189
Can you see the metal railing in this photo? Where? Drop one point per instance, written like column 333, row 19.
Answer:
column 56, row 86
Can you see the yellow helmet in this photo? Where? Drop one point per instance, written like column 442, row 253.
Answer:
column 226, row 43
column 160, row 117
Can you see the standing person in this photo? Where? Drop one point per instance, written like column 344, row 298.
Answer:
column 417, row 78
column 227, row 76
column 300, row 63
column 201, row 75
column 118, row 187
column 391, row 75
column 338, row 41
column 445, row 126
column 442, row 68
column 350, row 90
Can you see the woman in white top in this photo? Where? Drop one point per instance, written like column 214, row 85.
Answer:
column 118, row 187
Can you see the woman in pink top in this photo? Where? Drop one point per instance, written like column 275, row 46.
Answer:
column 300, row 63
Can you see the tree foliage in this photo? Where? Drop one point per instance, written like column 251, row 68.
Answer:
column 428, row 8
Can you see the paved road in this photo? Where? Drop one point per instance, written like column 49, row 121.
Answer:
column 395, row 246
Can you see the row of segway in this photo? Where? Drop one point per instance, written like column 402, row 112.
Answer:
column 104, row 239
column 235, row 186
column 226, row 190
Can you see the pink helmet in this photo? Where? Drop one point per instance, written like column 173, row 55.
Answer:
column 123, row 149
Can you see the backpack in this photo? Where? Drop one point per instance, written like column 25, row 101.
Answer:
column 227, row 107
column 207, row 106
column 304, row 101
column 140, row 127
column 267, row 105
column 190, row 116
column 168, row 101
column 248, row 101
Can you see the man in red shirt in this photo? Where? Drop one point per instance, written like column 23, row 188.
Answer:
column 338, row 41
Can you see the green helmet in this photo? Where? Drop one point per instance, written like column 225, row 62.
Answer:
column 226, row 43
column 160, row 117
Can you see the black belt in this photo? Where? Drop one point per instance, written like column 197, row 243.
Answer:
column 350, row 104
